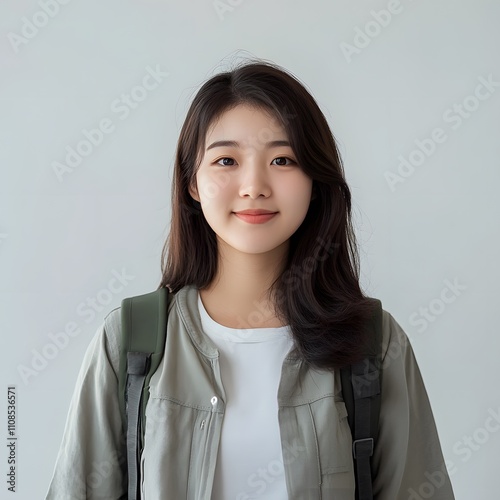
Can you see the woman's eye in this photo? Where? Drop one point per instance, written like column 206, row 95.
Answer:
column 284, row 158
column 225, row 158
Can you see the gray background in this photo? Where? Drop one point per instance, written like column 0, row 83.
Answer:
column 62, row 237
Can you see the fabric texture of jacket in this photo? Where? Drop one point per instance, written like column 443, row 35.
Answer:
column 185, row 412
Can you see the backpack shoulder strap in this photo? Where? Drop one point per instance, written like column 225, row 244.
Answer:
column 144, row 327
column 361, row 385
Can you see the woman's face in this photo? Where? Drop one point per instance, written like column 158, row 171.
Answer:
column 251, row 174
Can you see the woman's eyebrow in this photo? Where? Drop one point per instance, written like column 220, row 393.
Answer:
column 235, row 144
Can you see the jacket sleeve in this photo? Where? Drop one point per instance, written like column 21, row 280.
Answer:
column 91, row 463
column 408, row 461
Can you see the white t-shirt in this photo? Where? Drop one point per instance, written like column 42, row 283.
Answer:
column 250, row 459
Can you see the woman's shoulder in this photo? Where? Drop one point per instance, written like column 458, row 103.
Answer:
column 112, row 332
column 395, row 341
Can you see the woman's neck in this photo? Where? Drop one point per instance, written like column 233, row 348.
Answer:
column 238, row 296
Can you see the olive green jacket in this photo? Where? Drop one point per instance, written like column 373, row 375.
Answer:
column 185, row 413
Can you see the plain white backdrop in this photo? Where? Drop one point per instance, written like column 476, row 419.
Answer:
column 411, row 90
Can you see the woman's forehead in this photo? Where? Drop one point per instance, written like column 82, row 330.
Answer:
column 244, row 124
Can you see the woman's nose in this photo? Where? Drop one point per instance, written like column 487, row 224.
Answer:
column 254, row 179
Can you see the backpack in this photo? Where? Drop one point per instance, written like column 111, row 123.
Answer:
column 144, row 320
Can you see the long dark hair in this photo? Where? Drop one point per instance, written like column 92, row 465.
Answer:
column 318, row 293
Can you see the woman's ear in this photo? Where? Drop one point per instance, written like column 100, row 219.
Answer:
column 193, row 192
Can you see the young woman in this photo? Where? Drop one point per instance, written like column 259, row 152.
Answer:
column 262, row 264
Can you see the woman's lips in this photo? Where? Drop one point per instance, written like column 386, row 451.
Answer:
column 255, row 219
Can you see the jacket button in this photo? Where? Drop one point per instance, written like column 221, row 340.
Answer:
column 214, row 400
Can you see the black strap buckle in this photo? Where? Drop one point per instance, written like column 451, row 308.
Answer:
column 362, row 447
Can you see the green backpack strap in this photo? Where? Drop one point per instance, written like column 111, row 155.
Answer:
column 144, row 328
column 361, row 384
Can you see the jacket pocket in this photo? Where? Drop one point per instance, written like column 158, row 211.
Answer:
column 333, row 435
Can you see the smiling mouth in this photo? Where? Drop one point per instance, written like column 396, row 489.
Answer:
column 255, row 219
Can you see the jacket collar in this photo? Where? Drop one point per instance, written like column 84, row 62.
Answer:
column 187, row 306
